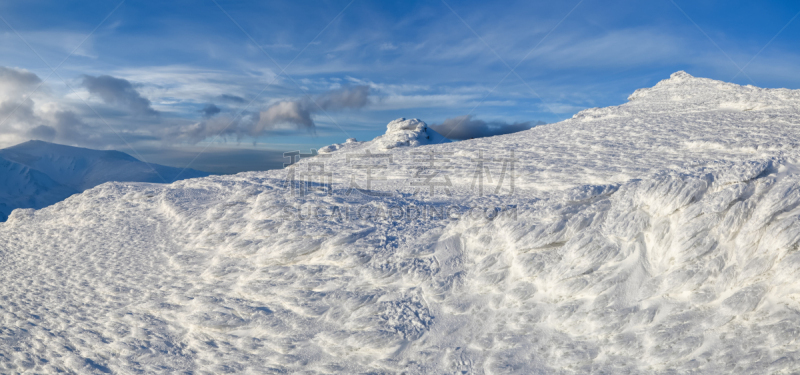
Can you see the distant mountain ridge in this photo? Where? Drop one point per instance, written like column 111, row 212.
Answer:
column 36, row 174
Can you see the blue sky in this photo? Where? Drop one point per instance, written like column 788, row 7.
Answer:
column 433, row 60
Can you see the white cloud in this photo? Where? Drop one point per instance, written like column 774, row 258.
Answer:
column 387, row 46
column 392, row 102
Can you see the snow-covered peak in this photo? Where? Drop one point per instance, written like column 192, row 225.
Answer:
column 684, row 91
column 36, row 174
column 83, row 168
column 680, row 75
column 40, row 149
column 21, row 186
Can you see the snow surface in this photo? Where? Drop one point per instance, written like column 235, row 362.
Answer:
column 659, row 236
column 36, row 174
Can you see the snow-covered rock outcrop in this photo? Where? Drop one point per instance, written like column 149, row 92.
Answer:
column 399, row 133
column 409, row 133
column 338, row 146
column 656, row 237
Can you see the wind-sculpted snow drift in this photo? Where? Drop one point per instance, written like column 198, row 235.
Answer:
column 659, row 236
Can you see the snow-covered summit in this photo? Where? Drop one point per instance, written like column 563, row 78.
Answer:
column 83, row 168
column 655, row 237
column 684, row 89
column 683, row 92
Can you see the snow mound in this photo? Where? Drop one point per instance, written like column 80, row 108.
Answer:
column 399, row 133
column 338, row 146
column 409, row 133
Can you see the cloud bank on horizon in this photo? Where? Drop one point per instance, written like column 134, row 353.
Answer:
column 468, row 127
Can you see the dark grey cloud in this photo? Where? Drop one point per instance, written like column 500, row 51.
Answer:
column 232, row 99
column 120, row 92
column 16, row 106
column 70, row 127
column 354, row 97
column 292, row 112
column 17, row 113
column 210, row 110
column 211, row 127
column 298, row 112
column 64, row 126
column 43, row 133
column 25, row 115
column 286, row 115
column 17, row 110
column 467, row 127
column 18, row 79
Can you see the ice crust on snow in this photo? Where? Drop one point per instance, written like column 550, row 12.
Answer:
column 659, row 236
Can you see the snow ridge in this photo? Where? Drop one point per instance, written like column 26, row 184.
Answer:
column 656, row 237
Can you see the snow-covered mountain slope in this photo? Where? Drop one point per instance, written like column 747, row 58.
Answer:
column 21, row 186
column 36, row 174
column 659, row 236
column 681, row 120
column 83, row 168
